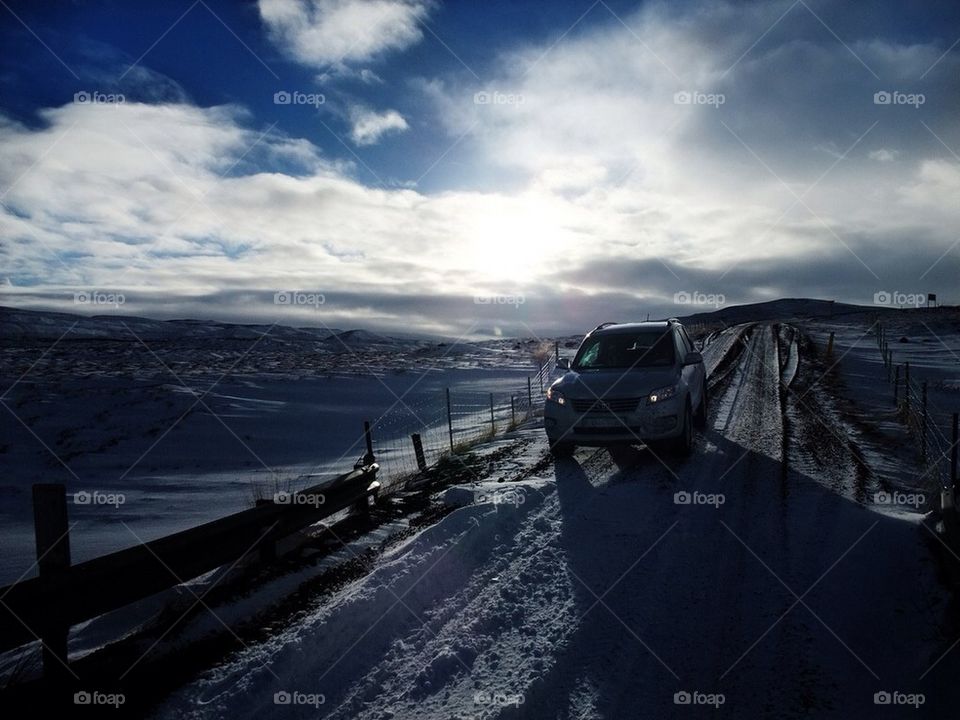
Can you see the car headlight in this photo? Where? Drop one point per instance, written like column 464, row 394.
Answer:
column 662, row 394
column 556, row 396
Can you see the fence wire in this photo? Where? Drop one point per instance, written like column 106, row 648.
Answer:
column 452, row 421
column 924, row 419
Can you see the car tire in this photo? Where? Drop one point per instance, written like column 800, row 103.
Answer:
column 562, row 449
column 683, row 444
column 700, row 418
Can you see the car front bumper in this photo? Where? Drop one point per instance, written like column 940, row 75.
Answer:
column 648, row 423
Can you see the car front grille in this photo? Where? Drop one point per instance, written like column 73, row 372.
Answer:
column 621, row 430
column 606, row 405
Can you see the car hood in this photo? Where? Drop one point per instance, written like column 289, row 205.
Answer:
column 615, row 383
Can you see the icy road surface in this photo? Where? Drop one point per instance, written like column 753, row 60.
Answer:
column 591, row 589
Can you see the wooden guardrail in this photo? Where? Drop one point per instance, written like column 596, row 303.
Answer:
column 44, row 608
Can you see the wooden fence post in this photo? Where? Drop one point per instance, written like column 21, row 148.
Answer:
column 906, row 389
column 493, row 427
column 953, row 455
column 896, row 387
column 267, row 552
column 830, row 346
column 52, row 535
column 513, row 411
column 529, row 396
column 449, row 420
column 369, row 458
column 418, row 451
column 923, row 426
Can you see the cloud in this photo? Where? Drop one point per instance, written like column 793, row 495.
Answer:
column 369, row 126
column 319, row 33
column 779, row 168
column 882, row 155
column 369, row 77
column 596, row 196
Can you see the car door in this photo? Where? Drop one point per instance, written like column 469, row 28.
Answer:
column 700, row 372
column 689, row 373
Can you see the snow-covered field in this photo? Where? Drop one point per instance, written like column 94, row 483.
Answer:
column 757, row 578
column 183, row 423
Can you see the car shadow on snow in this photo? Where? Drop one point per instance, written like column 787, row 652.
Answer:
column 674, row 594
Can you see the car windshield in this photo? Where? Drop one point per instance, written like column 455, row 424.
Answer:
column 651, row 348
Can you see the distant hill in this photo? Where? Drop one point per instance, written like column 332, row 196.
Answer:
column 20, row 325
column 17, row 324
column 353, row 338
column 783, row 309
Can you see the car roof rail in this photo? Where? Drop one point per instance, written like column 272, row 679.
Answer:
column 670, row 320
column 604, row 324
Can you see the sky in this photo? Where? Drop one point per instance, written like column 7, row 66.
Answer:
column 475, row 169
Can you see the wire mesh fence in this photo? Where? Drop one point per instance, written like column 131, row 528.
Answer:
column 933, row 426
column 452, row 421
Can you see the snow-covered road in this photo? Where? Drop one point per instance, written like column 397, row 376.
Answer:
column 619, row 584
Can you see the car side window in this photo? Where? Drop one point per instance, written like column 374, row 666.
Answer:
column 690, row 343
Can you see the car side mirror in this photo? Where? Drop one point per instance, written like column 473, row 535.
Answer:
column 693, row 358
column 563, row 363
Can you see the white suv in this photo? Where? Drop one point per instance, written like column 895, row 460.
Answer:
column 629, row 383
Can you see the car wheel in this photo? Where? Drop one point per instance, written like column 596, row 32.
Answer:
column 562, row 449
column 700, row 419
column 683, row 444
